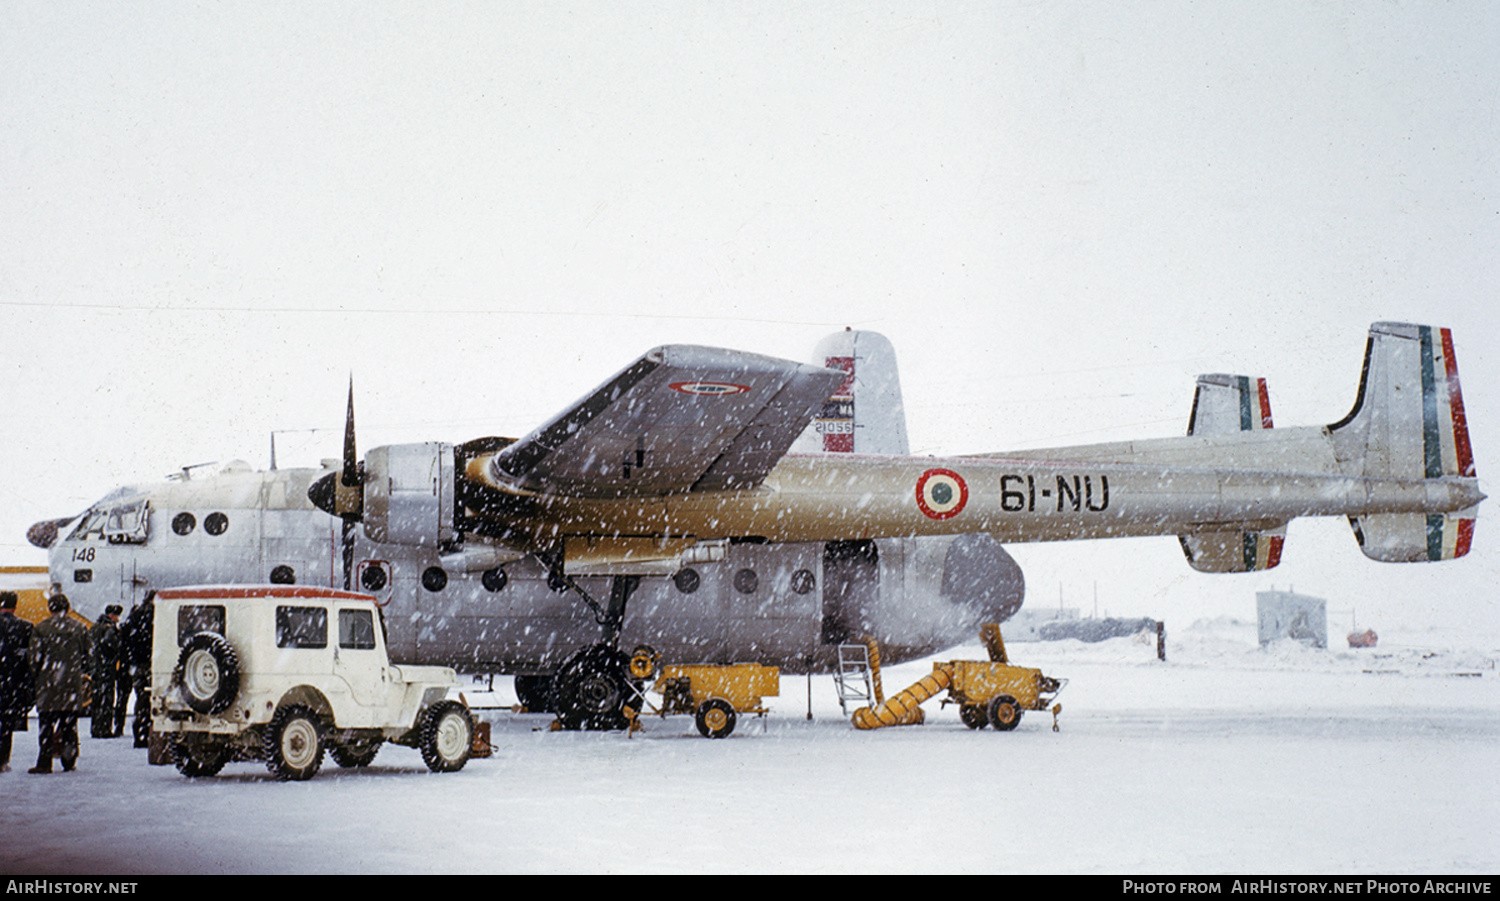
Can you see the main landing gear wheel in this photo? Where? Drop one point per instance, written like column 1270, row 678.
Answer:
column 716, row 718
column 294, row 744
column 1004, row 713
column 973, row 716
column 591, row 689
column 535, row 693
column 209, row 672
column 447, row 737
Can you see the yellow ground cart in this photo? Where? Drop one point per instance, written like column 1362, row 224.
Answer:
column 716, row 694
column 992, row 692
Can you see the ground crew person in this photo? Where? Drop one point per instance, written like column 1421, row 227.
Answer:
column 59, row 657
column 111, row 686
column 136, row 638
column 15, row 674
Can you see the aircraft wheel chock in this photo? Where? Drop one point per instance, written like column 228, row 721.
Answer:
column 1004, row 713
column 716, row 718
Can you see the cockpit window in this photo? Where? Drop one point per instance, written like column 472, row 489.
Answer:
column 90, row 526
column 121, row 517
column 126, row 524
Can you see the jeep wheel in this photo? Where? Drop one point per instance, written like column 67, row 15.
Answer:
column 197, row 760
column 209, row 672
column 447, row 737
column 354, row 754
column 293, row 743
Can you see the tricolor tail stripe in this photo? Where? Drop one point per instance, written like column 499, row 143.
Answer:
column 1262, row 550
column 1255, row 406
column 1463, row 453
column 1445, row 428
column 1448, row 537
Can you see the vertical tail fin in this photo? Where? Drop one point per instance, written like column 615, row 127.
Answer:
column 1223, row 404
column 1408, row 422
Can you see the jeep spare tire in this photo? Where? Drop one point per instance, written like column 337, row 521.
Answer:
column 208, row 670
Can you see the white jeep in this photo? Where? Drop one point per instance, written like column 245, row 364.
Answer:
column 280, row 673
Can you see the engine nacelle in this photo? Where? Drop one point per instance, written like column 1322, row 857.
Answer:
column 409, row 494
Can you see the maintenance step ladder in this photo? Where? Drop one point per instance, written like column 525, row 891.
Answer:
column 853, row 677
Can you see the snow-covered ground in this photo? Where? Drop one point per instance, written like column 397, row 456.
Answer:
column 1226, row 758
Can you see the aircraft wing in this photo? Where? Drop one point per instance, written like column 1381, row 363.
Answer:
column 680, row 418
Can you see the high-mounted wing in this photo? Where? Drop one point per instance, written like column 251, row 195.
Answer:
column 680, row 418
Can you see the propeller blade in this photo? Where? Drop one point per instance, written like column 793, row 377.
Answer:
column 349, row 527
column 349, row 494
column 342, row 493
column 348, row 476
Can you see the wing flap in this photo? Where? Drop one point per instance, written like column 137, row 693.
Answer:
column 679, row 418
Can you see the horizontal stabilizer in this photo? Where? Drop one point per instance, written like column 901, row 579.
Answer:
column 1233, row 552
column 1414, row 537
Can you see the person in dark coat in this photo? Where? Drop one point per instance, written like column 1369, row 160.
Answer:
column 136, row 637
column 59, row 656
column 111, row 686
column 15, row 674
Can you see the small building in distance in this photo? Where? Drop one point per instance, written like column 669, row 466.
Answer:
column 1282, row 614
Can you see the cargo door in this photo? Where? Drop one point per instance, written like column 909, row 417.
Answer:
column 851, row 588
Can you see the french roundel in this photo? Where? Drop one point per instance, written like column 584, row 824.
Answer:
column 709, row 389
column 941, row 493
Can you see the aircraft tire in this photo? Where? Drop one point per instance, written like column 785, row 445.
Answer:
column 354, row 754
column 1004, row 713
column 208, row 672
column 715, row 718
column 447, row 737
column 293, row 744
column 198, row 761
column 973, row 716
column 535, row 693
column 590, row 689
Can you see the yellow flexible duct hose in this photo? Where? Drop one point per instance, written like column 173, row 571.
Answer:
column 904, row 707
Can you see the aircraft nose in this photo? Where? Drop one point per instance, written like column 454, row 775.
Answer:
column 44, row 534
column 978, row 571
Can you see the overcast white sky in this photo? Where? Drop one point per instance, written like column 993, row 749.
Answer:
column 212, row 213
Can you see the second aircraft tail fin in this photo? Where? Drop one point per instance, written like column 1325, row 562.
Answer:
column 1223, row 404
